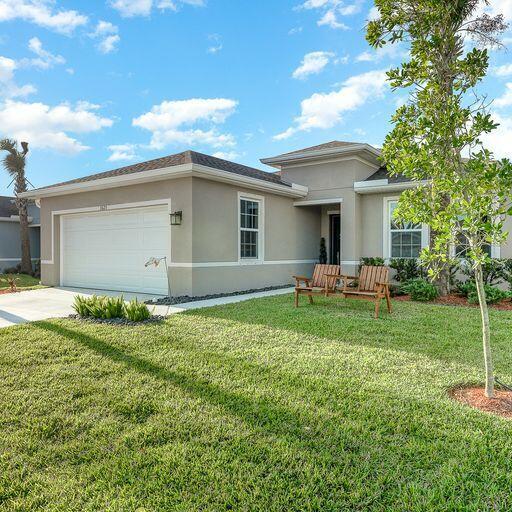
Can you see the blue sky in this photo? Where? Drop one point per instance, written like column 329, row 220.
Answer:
column 94, row 85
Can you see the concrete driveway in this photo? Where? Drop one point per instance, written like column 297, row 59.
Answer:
column 29, row 306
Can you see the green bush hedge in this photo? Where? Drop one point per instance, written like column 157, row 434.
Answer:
column 107, row 308
column 493, row 295
column 421, row 290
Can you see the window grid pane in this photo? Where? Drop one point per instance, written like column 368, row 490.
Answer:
column 249, row 225
column 405, row 238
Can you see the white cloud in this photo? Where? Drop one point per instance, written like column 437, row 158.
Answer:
column 122, row 152
column 504, row 7
column 390, row 51
column 373, row 14
column 44, row 59
column 42, row 13
column 108, row 45
column 131, row 8
column 312, row 64
column 332, row 10
column 217, row 45
column 173, row 122
column 8, row 87
column 506, row 99
column 108, row 36
column 325, row 110
column 330, row 19
column 226, row 155
column 47, row 127
column 504, row 70
column 295, row 30
column 498, row 141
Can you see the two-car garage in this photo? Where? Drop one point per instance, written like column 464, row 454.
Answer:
column 107, row 250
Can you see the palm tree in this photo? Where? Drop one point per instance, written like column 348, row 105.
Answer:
column 14, row 164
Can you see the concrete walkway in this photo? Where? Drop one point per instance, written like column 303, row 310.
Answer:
column 29, row 306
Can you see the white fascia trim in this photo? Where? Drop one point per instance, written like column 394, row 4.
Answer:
column 178, row 171
column 99, row 209
column 209, row 264
column 294, row 190
column 16, row 259
column 354, row 148
column 379, row 186
column 314, row 202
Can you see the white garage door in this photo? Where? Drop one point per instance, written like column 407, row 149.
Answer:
column 108, row 250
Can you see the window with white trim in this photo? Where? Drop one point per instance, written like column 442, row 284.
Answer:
column 405, row 239
column 249, row 229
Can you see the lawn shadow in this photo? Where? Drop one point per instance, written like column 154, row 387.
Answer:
column 261, row 413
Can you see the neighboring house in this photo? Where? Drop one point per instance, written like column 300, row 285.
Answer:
column 10, row 241
column 241, row 228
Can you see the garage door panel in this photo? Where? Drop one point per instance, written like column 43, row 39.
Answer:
column 108, row 250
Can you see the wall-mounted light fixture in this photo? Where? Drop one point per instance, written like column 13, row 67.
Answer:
column 176, row 218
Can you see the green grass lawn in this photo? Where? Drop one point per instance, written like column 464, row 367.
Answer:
column 256, row 407
column 25, row 282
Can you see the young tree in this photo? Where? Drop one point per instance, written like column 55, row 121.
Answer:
column 436, row 141
column 14, row 164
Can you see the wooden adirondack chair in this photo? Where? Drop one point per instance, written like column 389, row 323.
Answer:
column 319, row 284
column 373, row 284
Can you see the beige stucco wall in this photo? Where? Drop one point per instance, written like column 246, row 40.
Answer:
column 335, row 179
column 208, row 234
column 178, row 191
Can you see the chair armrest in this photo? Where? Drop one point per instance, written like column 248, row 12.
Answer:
column 346, row 279
column 381, row 285
column 302, row 279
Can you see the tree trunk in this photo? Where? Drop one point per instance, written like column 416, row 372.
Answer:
column 486, row 333
column 26, row 261
column 442, row 281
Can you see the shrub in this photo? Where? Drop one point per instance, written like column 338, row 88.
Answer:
column 493, row 295
column 81, row 306
column 323, row 252
column 406, row 269
column 371, row 262
column 136, row 311
column 494, row 271
column 421, row 290
column 104, row 308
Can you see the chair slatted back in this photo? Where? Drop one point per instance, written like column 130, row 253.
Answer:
column 369, row 276
column 319, row 275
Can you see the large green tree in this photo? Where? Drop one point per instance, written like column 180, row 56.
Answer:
column 14, row 163
column 462, row 192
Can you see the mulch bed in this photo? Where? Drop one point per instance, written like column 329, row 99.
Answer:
column 474, row 396
column 153, row 319
column 459, row 300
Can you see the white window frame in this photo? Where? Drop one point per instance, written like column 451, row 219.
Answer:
column 261, row 229
column 386, row 234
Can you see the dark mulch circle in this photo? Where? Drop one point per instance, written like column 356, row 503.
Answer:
column 474, row 396
column 458, row 300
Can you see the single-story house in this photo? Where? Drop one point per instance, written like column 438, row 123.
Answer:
column 10, row 241
column 223, row 226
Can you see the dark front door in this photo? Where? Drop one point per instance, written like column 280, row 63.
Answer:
column 334, row 256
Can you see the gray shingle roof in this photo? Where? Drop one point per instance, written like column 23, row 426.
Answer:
column 334, row 144
column 382, row 174
column 186, row 157
column 7, row 206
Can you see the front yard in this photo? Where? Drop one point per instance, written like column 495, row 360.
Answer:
column 254, row 406
column 23, row 282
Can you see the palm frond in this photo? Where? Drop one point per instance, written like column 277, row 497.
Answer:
column 9, row 145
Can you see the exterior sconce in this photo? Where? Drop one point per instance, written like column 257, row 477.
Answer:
column 176, row 218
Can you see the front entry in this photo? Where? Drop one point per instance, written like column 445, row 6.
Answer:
column 334, row 239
